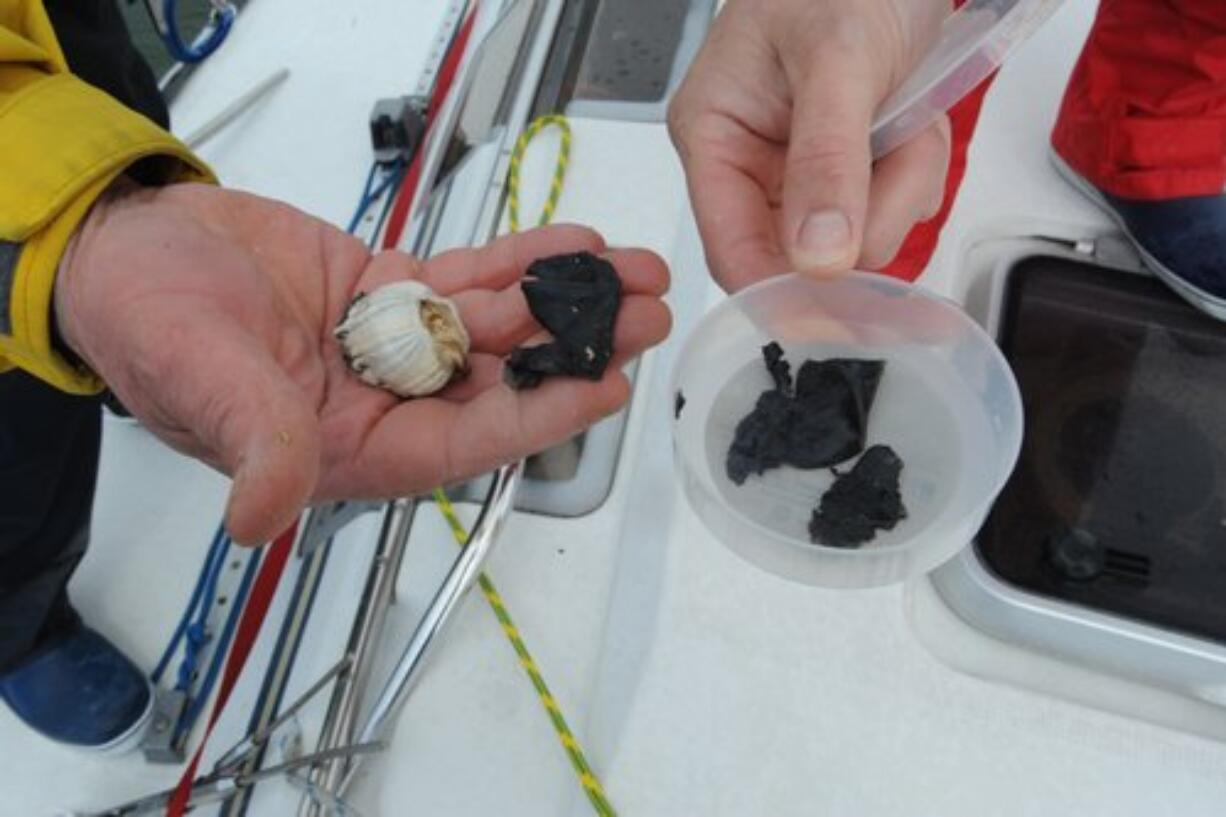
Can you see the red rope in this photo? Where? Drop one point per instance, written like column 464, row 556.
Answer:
column 446, row 77
column 262, row 593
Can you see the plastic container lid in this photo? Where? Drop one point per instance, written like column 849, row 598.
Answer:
column 947, row 403
column 974, row 41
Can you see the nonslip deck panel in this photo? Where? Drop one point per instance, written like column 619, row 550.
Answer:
column 1124, row 387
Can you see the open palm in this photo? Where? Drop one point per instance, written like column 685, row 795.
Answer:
column 210, row 314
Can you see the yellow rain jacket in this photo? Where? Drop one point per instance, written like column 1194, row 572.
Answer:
column 62, row 142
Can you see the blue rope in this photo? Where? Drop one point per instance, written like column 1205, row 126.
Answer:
column 370, row 194
column 196, row 707
column 387, row 205
column 191, row 631
column 388, row 180
column 363, row 199
column 181, row 629
column 196, row 636
column 196, row 52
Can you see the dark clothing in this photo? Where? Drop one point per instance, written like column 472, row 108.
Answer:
column 48, row 463
column 96, row 44
column 49, row 440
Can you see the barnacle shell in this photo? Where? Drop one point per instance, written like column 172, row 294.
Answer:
column 403, row 338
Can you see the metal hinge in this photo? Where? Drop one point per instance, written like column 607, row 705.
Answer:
column 324, row 521
column 1109, row 250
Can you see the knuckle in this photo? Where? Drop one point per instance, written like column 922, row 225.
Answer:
column 934, row 145
column 619, row 394
column 678, row 122
column 833, row 156
column 880, row 250
column 822, row 41
column 673, row 113
column 935, row 200
column 943, row 129
column 744, row 259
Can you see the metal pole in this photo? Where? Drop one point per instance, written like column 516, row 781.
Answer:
column 461, row 578
column 340, row 721
column 235, row 109
column 282, row 661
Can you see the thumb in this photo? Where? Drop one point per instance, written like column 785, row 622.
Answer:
column 258, row 425
column 829, row 163
column 272, row 448
column 277, row 465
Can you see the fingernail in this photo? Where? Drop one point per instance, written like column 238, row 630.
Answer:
column 824, row 238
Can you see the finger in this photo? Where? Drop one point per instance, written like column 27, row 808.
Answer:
column 487, row 372
column 498, row 321
column 423, row 443
column 736, row 222
column 908, row 187
column 484, row 372
column 642, row 272
column 495, row 266
column 642, row 322
column 504, row 260
column 388, row 267
column 825, row 186
column 723, row 122
column 257, row 424
column 533, row 420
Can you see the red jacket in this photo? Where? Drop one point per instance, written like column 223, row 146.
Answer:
column 1144, row 115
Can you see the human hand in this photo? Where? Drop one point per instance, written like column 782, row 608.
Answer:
column 210, row 314
column 772, row 126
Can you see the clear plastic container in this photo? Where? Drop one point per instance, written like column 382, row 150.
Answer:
column 947, row 403
column 974, row 41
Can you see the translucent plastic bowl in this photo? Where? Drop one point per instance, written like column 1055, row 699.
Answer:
column 947, row 403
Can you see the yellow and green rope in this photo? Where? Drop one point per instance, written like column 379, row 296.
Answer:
column 559, row 172
column 570, row 744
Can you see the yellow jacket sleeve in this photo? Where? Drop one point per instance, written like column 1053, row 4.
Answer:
column 62, row 142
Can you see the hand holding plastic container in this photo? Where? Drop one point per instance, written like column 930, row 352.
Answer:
column 946, row 403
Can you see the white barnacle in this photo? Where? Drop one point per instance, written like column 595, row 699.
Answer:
column 403, row 338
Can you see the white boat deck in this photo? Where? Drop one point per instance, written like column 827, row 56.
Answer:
column 697, row 684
